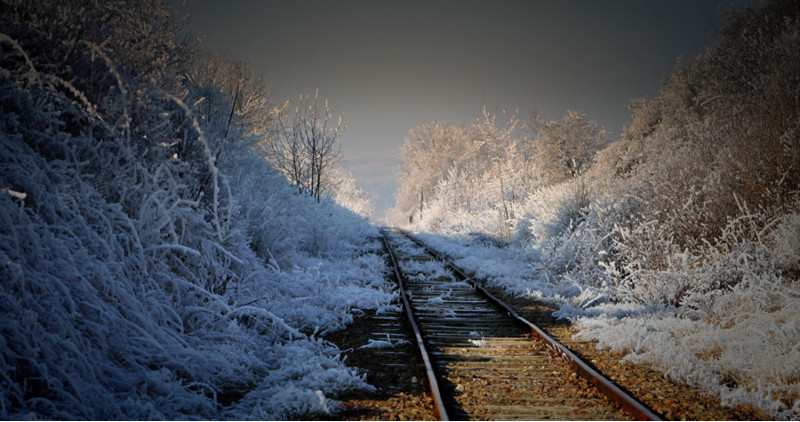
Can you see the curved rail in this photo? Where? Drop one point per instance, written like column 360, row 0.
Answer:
column 606, row 386
column 439, row 408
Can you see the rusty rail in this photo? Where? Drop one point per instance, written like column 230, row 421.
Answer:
column 433, row 383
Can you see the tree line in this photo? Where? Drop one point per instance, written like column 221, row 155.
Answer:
column 492, row 164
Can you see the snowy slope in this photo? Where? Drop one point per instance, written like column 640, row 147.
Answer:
column 143, row 277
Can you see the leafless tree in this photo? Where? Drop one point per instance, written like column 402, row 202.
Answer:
column 503, row 152
column 306, row 146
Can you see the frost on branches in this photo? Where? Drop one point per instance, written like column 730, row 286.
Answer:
column 153, row 265
column 679, row 243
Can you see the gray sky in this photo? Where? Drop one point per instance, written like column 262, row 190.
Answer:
column 390, row 66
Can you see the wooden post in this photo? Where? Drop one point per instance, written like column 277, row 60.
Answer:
column 421, row 200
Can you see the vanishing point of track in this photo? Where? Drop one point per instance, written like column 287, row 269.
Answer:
column 483, row 360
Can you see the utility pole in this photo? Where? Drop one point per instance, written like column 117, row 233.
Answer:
column 421, row 201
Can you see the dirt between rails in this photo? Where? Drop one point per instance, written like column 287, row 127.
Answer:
column 408, row 399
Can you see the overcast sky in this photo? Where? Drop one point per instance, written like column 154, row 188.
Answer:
column 390, row 66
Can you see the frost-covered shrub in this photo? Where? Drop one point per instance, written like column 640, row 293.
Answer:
column 574, row 227
column 784, row 240
column 648, row 266
column 551, row 211
column 486, row 221
column 138, row 281
column 735, row 306
column 97, row 308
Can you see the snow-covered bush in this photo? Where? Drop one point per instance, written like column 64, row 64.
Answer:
column 348, row 195
column 551, row 212
column 731, row 304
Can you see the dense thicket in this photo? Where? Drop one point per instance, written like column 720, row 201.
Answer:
column 153, row 264
column 723, row 128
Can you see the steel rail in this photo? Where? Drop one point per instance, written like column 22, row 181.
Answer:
column 633, row 406
column 433, row 383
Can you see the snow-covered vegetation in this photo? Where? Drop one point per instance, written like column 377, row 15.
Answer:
column 153, row 265
column 679, row 242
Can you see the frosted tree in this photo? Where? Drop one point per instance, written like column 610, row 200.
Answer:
column 233, row 108
column 566, row 146
column 306, row 146
column 227, row 94
column 502, row 146
column 345, row 193
column 429, row 152
column 455, row 167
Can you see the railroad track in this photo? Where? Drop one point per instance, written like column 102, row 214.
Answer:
column 483, row 360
